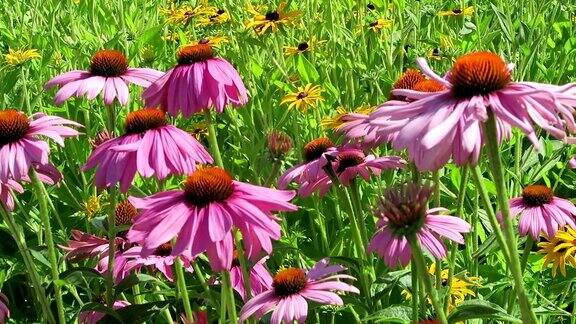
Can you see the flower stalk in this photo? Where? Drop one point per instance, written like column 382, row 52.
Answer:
column 52, row 256
column 528, row 315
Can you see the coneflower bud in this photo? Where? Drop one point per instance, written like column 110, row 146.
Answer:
column 279, row 144
column 100, row 138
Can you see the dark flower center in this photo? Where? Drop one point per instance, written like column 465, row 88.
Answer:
column 371, row 6
column 457, row 11
column 220, row 11
column 428, row 86
column 374, row 23
column 140, row 121
column 537, row 195
column 303, row 46
column 164, row 250
column 302, row 95
column 349, row 158
column 125, row 213
column 13, row 126
column 108, row 63
column 195, row 53
column 208, row 185
column 405, row 208
column 272, row 16
column 436, row 51
column 478, row 73
column 314, row 149
column 289, row 281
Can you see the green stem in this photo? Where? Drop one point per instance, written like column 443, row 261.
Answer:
column 182, row 289
column 528, row 315
column 454, row 246
column 418, row 258
column 166, row 310
column 203, row 283
column 526, row 254
column 415, row 292
column 212, row 139
column 273, row 173
column 28, row 263
column 227, row 284
column 478, row 182
column 356, row 203
column 111, row 246
column 52, row 256
column 243, row 265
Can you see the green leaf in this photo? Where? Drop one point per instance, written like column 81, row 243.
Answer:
column 476, row 308
column 306, row 70
column 392, row 314
column 137, row 313
column 111, row 315
column 74, row 275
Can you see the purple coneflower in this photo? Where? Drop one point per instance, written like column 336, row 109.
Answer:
column 366, row 130
column 150, row 146
column 260, row 278
column 350, row 163
column 402, row 213
column 94, row 317
column 109, row 74
column 161, row 259
column 317, row 155
column 84, row 246
column 4, row 310
column 198, row 82
column 541, row 212
column 477, row 83
column 291, row 287
column 20, row 145
column 203, row 213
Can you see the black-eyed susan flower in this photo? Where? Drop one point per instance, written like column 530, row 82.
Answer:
column 179, row 15
column 337, row 120
column 213, row 17
column 308, row 96
column 379, row 24
column 559, row 250
column 460, row 288
column 18, row 57
column 468, row 11
column 270, row 20
column 303, row 47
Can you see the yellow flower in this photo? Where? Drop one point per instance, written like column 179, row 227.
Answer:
column 468, row 11
column 459, row 289
column 214, row 17
column 177, row 15
column 271, row 20
column 19, row 57
column 307, row 96
column 380, row 24
column 92, row 206
column 303, row 47
column 336, row 121
column 560, row 250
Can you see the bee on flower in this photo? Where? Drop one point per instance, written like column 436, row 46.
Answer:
column 303, row 47
column 213, row 17
column 271, row 20
column 16, row 58
column 308, row 96
column 379, row 24
column 466, row 12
